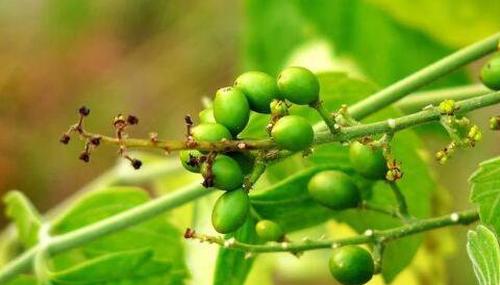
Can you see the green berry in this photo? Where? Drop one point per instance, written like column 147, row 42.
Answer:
column 231, row 109
column 334, row 189
column 368, row 161
column 351, row 265
column 298, row 85
column 190, row 159
column 225, row 171
column 230, row 211
column 244, row 159
column 269, row 231
column 490, row 73
column 259, row 88
column 293, row 133
column 210, row 132
column 207, row 116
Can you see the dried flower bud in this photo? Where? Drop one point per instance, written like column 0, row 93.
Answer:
column 84, row 111
column 132, row 120
column 95, row 141
column 65, row 139
column 84, row 156
column 136, row 164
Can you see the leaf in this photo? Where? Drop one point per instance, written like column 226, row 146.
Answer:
column 484, row 252
column 157, row 234
column 23, row 280
column 232, row 267
column 485, row 191
column 136, row 266
column 25, row 216
column 384, row 49
column 288, row 202
column 460, row 22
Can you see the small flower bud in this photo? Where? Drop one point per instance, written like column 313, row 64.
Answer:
column 84, row 111
column 447, row 107
column 95, row 141
column 84, row 156
column 495, row 123
column 136, row 164
column 65, row 139
column 132, row 120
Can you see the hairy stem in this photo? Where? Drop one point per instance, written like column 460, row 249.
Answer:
column 104, row 227
column 375, row 236
column 426, row 75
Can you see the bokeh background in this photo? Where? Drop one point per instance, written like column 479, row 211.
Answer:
column 158, row 59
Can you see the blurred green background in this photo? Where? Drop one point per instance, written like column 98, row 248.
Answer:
column 157, row 59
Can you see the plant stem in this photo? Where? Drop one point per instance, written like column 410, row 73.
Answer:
column 344, row 134
column 327, row 116
column 104, row 227
column 401, row 201
column 408, row 121
column 377, row 236
column 424, row 76
column 419, row 100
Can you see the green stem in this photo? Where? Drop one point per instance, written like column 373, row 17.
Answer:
column 377, row 236
column 426, row 75
column 401, row 201
column 325, row 115
column 419, row 100
column 394, row 125
column 107, row 226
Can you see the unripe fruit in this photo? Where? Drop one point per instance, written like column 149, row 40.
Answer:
column 225, row 171
column 259, row 88
column 293, row 133
column 207, row 116
column 490, row 73
column 231, row 109
column 269, row 231
column 334, row 189
column 368, row 161
column 351, row 265
column 230, row 211
column 210, row 132
column 190, row 159
column 298, row 85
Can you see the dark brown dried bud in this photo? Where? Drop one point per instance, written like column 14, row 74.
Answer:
column 189, row 233
column 65, row 139
column 95, row 141
column 132, row 120
column 188, row 120
column 84, row 156
column 208, row 182
column 84, row 111
column 136, row 164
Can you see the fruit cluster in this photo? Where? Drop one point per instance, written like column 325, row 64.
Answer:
column 228, row 117
column 252, row 92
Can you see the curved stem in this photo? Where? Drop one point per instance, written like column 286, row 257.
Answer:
column 382, row 236
column 423, row 77
column 325, row 115
column 104, row 227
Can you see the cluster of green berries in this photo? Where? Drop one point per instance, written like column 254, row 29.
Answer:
column 228, row 117
column 349, row 265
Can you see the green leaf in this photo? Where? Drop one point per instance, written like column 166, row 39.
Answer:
column 384, row 49
column 460, row 22
column 232, row 267
column 288, row 202
column 484, row 252
column 485, row 191
column 157, row 234
column 25, row 216
column 23, row 280
column 136, row 266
